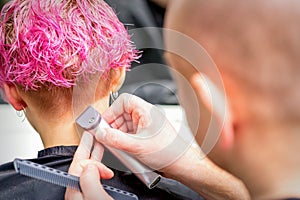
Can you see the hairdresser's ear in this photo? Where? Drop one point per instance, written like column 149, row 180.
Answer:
column 228, row 133
column 117, row 78
column 204, row 89
column 13, row 97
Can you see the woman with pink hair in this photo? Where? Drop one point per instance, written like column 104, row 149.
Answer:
column 55, row 54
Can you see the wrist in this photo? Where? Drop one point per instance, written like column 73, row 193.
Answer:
column 199, row 173
column 188, row 164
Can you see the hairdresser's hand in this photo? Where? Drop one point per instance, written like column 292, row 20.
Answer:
column 87, row 165
column 154, row 141
column 142, row 129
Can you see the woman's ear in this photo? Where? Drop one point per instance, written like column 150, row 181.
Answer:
column 13, row 97
column 117, row 78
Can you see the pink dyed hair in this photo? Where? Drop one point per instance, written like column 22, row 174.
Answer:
column 52, row 42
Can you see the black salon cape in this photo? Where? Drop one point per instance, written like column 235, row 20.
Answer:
column 14, row 186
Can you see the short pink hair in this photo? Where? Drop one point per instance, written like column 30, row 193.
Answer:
column 52, row 42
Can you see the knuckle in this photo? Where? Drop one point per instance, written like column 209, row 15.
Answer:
column 124, row 96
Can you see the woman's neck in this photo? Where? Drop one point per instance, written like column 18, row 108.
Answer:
column 65, row 134
column 60, row 130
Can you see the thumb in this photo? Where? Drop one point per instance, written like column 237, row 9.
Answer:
column 90, row 184
column 118, row 139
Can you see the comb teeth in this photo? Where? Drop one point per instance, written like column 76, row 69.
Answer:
column 46, row 174
column 63, row 179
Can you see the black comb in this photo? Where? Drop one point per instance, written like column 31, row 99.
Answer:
column 57, row 177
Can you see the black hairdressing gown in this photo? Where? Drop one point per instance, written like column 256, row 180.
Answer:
column 14, row 186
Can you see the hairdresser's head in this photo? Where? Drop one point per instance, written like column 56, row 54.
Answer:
column 256, row 46
column 48, row 46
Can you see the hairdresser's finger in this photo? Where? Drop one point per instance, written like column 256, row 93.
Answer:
column 126, row 103
column 119, row 121
column 118, row 139
column 130, row 127
column 84, row 149
column 105, row 172
column 97, row 152
column 123, row 128
column 97, row 155
column 127, row 116
column 90, row 184
column 126, row 127
column 73, row 194
column 116, row 109
column 83, row 152
column 140, row 117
